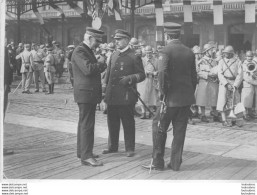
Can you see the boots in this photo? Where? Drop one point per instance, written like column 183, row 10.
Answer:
column 50, row 89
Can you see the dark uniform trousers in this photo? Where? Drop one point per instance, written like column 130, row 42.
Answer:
column 125, row 114
column 85, row 138
column 179, row 117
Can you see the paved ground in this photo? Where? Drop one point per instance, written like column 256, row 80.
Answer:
column 58, row 112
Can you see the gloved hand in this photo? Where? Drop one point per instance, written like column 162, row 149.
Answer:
column 101, row 66
column 101, row 59
column 125, row 80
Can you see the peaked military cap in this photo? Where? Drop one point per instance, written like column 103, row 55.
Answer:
column 120, row 34
column 71, row 46
column 171, row 28
column 98, row 34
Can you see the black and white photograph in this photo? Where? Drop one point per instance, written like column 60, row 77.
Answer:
column 129, row 90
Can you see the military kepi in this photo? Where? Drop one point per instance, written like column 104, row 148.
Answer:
column 120, row 34
column 98, row 34
column 172, row 28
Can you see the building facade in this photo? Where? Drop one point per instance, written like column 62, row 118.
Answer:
column 234, row 31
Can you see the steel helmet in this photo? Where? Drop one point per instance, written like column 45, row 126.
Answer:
column 196, row 49
column 207, row 47
column 148, row 49
column 134, row 41
column 249, row 54
column 229, row 49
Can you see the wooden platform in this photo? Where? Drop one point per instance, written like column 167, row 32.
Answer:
column 46, row 154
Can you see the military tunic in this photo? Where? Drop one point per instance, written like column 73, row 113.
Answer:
column 49, row 68
column 207, row 90
column 249, row 87
column 229, row 71
column 121, row 98
column 26, row 68
column 147, row 88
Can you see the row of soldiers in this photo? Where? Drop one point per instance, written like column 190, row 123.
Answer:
column 225, row 81
column 36, row 61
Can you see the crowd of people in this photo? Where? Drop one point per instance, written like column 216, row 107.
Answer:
column 174, row 81
column 225, row 79
column 36, row 62
column 220, row 73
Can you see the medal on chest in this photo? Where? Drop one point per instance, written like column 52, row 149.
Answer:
column 121, row 66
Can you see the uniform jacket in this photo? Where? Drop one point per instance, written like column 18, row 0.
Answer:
column 123, row 64
column 38, row 57
column 247, row 77
column 59, row 55
column 49, row 63
column 177, row 74
column 87, row 76
column 233, row 74
column 26, row 59
column 208, row 66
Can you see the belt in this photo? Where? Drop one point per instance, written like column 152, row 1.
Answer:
column 231, row 78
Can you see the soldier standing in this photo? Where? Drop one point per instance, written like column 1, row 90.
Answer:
column 177, row 80
column 249, row 85
column 207, row 90
column 147, row 87
column 49, row 68
column 59, row 56
column 230, row 76
column 39, row 57
column 26, row 68
column 123, row 72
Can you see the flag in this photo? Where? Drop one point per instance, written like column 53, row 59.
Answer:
column 35, row 10
column 187, row 7
column 249, row 11
column 217, row 12
column 57, row 8
column 114, row 6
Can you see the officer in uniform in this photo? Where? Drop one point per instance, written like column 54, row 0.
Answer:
column 87, row 92
column 38, row 57
column 59, row 56
column 177, row 80
column 124, row 71
column 26, row 68
column 49, row 68
column 207, row 90
column 249, row 85
column 230, row 76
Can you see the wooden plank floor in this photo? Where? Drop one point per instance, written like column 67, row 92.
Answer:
column 46, row 154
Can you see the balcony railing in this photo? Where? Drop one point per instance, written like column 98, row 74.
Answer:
column 149, row 9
